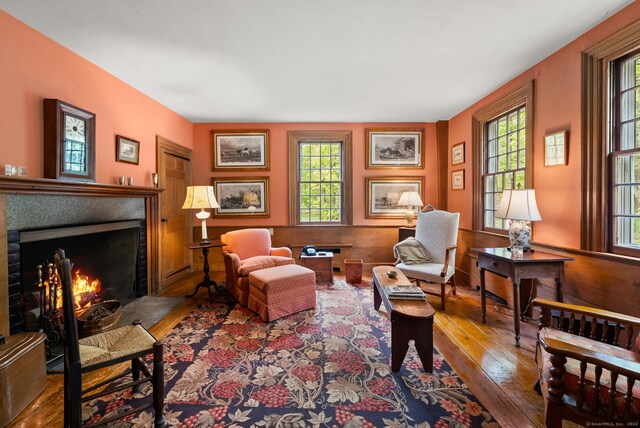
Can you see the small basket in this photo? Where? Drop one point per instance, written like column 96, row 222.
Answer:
column 353, row 270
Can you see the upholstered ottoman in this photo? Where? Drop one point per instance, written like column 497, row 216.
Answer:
column 280, row 291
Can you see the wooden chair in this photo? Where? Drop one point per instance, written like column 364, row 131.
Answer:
column 129, row 343
column 437, row 231
column 587, row 367
column 245, row 251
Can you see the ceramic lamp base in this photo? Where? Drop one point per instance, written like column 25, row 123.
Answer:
column 520, row 234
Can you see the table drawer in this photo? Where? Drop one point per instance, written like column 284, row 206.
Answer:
column 500, row 267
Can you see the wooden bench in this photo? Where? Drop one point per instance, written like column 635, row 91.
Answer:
column 410, row 320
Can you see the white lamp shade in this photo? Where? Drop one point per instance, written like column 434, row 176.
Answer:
column 410, row 199
column 519, row 205
column 200, row 197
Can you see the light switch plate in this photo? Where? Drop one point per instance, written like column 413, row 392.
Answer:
column 9, row 170
column 22, row 170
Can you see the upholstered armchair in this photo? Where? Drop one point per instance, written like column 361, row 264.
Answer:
column 248, row 250
column 437, row 235
column 589, row 372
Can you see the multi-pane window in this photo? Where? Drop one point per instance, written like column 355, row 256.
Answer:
column 320, row 185
column 625, row 195
column 505, row 161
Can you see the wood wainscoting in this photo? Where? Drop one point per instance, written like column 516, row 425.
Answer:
column 593, row 279
column 372, row 244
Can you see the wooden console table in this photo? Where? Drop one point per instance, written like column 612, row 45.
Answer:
column 410, row 320
column 532, row 265
column 206, row 282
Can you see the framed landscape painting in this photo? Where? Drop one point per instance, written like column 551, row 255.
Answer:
column 242, row 196
column 383, row 194
column 246, row 150
column 395, row 148
column 127, row 150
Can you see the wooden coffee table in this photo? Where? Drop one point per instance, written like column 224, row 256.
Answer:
column 410, row 320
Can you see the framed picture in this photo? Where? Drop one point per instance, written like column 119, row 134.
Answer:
column 242, row 196
column 555, row 149
column 457, row 154
column 246, row 150
column 395, row 148
column 457, row 180
column 127, row 150
column 383, row 194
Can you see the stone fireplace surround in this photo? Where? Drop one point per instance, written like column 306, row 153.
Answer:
column 40, row 203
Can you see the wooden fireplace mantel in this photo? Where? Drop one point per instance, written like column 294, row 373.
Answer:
column 25, row 185
column 11, row 184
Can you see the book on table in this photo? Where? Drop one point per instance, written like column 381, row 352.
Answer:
column 410, row 292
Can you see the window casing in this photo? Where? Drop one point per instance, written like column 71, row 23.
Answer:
column 320, row 178
column 624, row 163
column 505, row 161
column 502, row 153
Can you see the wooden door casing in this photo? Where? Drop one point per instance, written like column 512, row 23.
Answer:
column 174, row 175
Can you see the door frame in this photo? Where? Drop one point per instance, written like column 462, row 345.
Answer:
column 164, row 145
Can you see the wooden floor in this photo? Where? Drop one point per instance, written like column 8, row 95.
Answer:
column 484, row 355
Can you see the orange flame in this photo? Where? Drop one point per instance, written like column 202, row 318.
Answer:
column 84, row 291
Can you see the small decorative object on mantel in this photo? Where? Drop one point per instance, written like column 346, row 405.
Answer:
column 556, row 149
column 69, row 142
column 457, row 154
column 127, row 150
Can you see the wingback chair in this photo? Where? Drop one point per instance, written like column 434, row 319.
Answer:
column 248, row 250
column 437, row 231
column 589, row 372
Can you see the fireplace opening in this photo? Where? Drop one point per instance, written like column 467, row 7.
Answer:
column 113, row 253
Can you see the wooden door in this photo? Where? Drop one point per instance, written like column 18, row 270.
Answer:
column 176, row 231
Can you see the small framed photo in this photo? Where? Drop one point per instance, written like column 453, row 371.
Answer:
column 246, row 150
column 457, row 154
column 127, row 150
column 457, row 180
column 395, row 148
column 383, row 195
column 555, row 149
column 242, row 196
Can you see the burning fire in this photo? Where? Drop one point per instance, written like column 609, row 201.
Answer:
column 85, row 291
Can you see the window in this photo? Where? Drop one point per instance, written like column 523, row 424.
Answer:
column 505, row 161
column 624, row 227
column 320, row 177
column 501, row 149
column 610, row 151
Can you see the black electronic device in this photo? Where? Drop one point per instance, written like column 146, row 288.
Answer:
column 308, row 250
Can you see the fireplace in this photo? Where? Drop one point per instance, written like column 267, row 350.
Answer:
column 106, row 238
column 112, row 253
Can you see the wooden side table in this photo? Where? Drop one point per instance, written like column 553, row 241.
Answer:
column 321, row 264
column 206, row 282
column 406, row 232
column 532, row 265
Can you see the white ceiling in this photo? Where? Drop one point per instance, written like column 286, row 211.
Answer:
column 314, row 60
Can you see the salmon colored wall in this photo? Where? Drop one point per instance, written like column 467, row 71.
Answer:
column 34, row 67
column 557, row 106
column 278, row 175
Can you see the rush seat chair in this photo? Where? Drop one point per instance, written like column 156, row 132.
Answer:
column 130, row 343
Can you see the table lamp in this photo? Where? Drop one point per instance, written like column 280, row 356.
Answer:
column 520, row 208
column 201, row 197
column 409, row 199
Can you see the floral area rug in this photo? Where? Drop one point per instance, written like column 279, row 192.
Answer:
column 327, row 367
